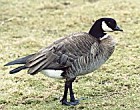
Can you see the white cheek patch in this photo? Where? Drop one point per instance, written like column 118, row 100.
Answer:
column 105, row 27
column 53, row 73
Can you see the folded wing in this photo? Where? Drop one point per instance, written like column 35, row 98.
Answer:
column 61, row 53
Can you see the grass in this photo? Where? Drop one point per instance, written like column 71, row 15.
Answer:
column 27, row 26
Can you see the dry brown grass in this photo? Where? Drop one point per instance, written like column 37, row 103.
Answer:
column 27, row 26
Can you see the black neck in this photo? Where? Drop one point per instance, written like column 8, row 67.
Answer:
column 96, row 30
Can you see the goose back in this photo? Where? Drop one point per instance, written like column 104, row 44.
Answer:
column 62, row 53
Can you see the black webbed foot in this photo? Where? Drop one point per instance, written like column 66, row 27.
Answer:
column 75, row 102
column 64, row 102
column 72, row 103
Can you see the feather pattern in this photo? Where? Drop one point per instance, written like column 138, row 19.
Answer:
column 76, row 54
column 61, row 53
column 100, row 52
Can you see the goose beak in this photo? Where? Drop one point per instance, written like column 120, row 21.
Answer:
column 117, row 29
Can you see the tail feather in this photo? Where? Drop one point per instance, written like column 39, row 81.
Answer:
column 19, row 61
column 17, row 69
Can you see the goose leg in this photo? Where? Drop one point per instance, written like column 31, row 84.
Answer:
column 68, row 85
column 73, row 101
column 64, row 99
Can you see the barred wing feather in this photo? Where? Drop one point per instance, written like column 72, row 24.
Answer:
column 62, row 53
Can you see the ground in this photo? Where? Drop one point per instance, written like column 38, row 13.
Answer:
column 27, row 26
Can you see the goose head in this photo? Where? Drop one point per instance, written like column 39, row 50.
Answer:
column 103, row 25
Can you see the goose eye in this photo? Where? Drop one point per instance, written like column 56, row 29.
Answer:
column 109, row 22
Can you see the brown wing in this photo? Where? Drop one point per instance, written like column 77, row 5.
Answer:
column 61, row 53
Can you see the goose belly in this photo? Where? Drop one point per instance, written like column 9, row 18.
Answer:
column 53, row 73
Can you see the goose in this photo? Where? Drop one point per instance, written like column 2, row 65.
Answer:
column 71, row 56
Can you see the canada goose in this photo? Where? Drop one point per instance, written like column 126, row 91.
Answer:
column 71, row 56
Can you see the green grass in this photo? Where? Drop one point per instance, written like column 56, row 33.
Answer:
column 27, row 26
